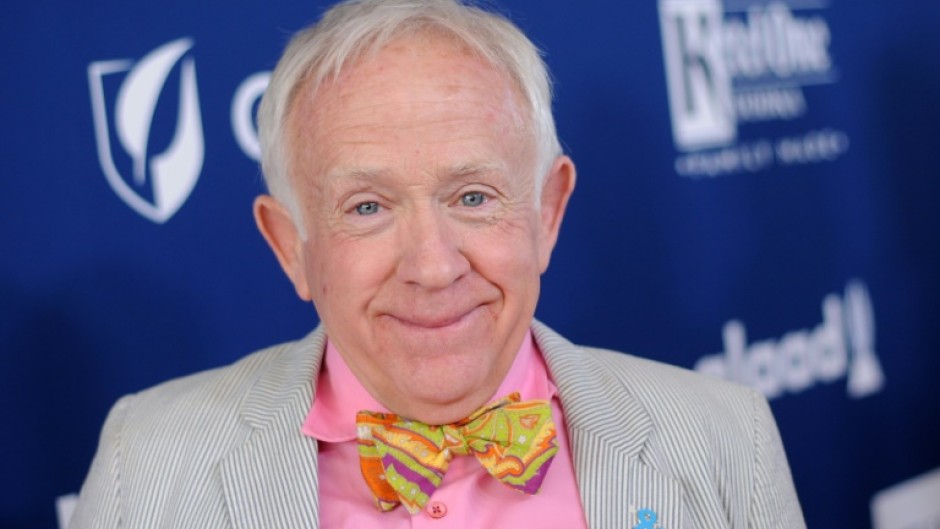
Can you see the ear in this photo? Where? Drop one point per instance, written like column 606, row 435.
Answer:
column 277, row 227
column 556, row 190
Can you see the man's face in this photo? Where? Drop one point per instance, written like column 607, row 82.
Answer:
column 424, row 247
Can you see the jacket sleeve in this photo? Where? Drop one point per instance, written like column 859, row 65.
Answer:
column 773, row 504
column 99, row 503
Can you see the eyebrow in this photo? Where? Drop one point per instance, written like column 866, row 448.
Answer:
column 340, row 175
column 461, row 170
column 473, row 168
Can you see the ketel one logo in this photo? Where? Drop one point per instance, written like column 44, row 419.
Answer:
column 740, row 61
column 152, row 166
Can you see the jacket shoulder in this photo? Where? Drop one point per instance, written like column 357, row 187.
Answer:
column 654, row 378
column 213, row 392
column 159, row 450
column 680, row 400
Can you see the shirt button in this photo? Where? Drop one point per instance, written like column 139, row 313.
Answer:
column 437, row 509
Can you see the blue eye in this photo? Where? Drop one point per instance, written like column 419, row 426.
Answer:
column 367, row 208
column 473, row 199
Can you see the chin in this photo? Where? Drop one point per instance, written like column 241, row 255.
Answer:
column 446, row 397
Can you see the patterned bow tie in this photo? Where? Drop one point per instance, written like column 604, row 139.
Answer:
column 403, row 461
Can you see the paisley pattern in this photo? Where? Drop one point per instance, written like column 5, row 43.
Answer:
column 404, row 461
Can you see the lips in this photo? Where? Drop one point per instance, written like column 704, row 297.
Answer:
column 433, row 320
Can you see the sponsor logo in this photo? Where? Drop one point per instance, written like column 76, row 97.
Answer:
column 740, row 63
column 153, row 179
column 244, row 108
column 909, row 505
column 842, row 346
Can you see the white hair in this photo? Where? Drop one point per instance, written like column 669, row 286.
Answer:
column 353, row 28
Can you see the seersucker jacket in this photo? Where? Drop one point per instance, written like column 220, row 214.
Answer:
column 223, row 448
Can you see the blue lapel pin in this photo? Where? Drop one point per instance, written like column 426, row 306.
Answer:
column 647, row 519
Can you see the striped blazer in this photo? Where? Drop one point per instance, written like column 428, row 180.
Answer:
column 223, row 448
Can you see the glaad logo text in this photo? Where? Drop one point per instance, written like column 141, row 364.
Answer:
column 843, row 345
column 746, row 61
column 157, row 184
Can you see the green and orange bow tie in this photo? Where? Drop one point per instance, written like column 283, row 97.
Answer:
column 404, row 461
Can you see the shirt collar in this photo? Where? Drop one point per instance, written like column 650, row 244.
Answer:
column 339, row 395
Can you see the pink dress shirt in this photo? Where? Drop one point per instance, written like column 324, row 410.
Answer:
column 468, row 498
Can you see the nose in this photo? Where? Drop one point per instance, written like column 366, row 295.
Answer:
column 431, row 251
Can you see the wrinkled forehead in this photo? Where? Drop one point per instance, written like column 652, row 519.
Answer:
column 418, row 34
column 415, row 76
column 381, row 58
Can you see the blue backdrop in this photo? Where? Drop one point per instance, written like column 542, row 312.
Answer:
column 756, row 199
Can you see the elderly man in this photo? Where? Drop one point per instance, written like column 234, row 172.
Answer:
column 417, row 189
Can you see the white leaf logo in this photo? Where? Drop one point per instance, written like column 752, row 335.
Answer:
column 172, row 173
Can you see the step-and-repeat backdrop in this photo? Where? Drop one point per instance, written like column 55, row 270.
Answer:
column 757, row 199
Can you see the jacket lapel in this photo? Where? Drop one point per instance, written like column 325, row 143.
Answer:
column 270, row 478
column 609, row 432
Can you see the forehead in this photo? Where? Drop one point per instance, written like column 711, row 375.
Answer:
column 425, row 88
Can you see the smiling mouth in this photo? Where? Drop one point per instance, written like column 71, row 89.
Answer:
column 433, row 322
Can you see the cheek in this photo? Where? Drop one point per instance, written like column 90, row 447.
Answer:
column 507, row 255
column 347, row 273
